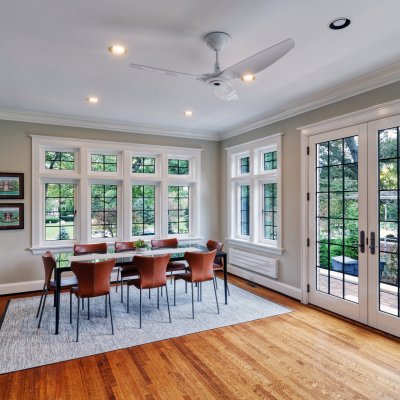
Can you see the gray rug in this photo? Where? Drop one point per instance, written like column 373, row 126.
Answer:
column 23, row 346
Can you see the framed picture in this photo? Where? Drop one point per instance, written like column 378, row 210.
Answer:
column 11, row 186
column 12, row 216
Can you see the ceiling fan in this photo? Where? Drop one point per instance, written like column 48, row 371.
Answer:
column 248, row 67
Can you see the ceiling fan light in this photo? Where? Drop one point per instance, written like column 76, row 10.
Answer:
column 248, row 78
column 92, row 99
column 117, row 50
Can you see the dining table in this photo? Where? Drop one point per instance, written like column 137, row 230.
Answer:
column 64, row 259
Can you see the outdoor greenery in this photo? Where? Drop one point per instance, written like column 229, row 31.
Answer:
column 143, row 210
column 178, row 209
column 60, row 160
column 178, row 167
column 143, row 165
column 103, row 163
column 104, row 210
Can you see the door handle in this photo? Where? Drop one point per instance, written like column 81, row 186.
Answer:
column 362, row 242
column 372, row 243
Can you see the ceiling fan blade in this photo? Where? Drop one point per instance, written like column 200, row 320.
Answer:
column 226, row 92
column 163, row 71
column 259, row 61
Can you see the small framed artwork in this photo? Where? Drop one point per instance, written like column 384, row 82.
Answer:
column 11, row 186
column 12, row 216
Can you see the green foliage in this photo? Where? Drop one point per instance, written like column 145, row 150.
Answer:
column 52, row 220
column 63, row 235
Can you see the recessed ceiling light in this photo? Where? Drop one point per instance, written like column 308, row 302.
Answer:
column 189, row 113
column 92, row 99
column 248, row 78
column 117, row 49
column 339, row 23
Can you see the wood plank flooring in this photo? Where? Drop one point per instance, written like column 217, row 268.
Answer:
column 306, row 354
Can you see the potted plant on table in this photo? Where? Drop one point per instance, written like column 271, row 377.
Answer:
column 141, row 246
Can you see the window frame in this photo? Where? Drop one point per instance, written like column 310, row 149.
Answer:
column 256, row 179
column 83, row 177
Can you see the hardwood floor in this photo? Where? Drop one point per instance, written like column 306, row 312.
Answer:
column 306, row 354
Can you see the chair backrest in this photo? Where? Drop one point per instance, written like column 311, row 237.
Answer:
column 164, row 243
column 152, row 270
column 93, row 278
column 99, row 248
column 49, row 264
column 201, row 265
column 213, row 245
column 124, row 246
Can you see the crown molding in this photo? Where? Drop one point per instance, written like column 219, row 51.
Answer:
column 362, row 84
column 104, row 124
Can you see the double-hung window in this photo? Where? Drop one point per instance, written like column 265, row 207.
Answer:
column 254, row 200
column 96, row 191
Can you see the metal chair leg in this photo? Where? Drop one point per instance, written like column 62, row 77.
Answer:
column 70, row 307
column 158, row 298
column 116, row 286
column 166, row 294
column 198, row 292
column 174, row 292
column 185, row 287
column 88, row 309
column 192, row 301
column 105, row 305
column 41, row 312
column 149, row 294
column 140, row 312
column 77, row 319
column 127, row 299
column 215, row 290
column 83, row 304
column 122, row 290
column 111, row 316
column 216, row 282
column 41, row 299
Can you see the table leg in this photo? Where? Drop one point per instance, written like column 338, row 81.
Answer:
column 57, row 299
column 225, row 278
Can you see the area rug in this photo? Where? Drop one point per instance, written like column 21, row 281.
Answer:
column 23, row 345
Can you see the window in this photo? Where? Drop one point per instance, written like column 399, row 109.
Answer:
column 178, row 167
column 178, row 209
column 60, row 160
column 270, row 211
column 103, row 163
column 270, row 161
column 60, row 211
column 254, row 200
column 104, row 211
column 245, row 210
column 244, row 165
column 113, row 191
column 143, row 165
column 143, row 210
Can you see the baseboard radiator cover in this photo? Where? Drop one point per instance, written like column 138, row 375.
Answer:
column 261, row 265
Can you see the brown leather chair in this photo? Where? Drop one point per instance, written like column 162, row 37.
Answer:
column 125, row 269
column 49, row 264
column 99, row 248
column 218, row 263
column 152, row 274
column 93, row 281
column 89, row 248
column 200, row 270
column 172, row 243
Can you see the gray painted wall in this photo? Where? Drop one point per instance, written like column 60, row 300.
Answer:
column 19, row 265
column 289, row 269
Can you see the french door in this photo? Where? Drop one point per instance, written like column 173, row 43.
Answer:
column 354, row 189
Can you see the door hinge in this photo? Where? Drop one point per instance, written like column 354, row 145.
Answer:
column 308, row 196
column 308, row 288
column 308, row 150
column 308, row 242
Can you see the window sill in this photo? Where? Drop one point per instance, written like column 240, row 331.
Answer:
column 256, row 246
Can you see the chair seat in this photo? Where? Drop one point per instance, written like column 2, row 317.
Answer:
column 75, row 290
column 217, row 267
column 65, row 283
column 176, row 266
column 136, row 283
column 188, row 277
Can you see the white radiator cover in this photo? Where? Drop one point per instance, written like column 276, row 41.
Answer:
column 253, row 262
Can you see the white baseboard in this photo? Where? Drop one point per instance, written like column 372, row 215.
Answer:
column 264, row 281
column 30, row 286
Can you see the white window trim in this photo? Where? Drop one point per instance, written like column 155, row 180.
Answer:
column 255, row 179
column 124, row 178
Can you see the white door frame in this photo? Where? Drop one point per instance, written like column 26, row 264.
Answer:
column 388, row 109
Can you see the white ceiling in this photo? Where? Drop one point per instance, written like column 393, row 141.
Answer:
column 54, row 55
